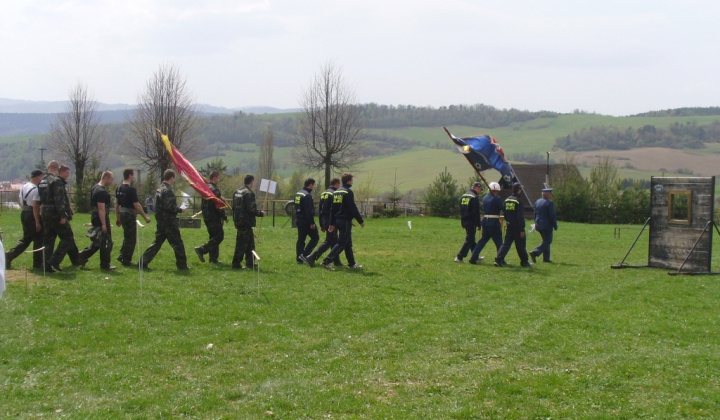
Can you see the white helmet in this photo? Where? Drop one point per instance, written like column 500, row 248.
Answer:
column 494, row 186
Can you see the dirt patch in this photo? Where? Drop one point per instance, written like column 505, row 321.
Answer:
column 701, row 163
column 18, row 275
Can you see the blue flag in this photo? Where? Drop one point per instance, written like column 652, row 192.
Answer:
column 483, row 153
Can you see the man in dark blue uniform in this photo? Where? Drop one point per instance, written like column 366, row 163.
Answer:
column 343, row 212
column 469, row 219
column 305, row 220
column 545, row 223
column 331, row 238
column 214, row 219
column 244, row 213
column 491, row 226
column 515, row 229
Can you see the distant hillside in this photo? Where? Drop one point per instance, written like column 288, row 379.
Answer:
column 416, row 152
column 682, row 112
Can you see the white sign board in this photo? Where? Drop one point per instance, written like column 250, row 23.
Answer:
column 268, row 186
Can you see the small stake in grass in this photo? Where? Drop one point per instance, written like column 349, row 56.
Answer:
column 139, row 248
column 43, row 263
column 255, row 263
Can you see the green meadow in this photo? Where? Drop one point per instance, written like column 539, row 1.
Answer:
column 411, row 335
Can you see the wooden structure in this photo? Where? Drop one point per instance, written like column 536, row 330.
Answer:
column 680, row 224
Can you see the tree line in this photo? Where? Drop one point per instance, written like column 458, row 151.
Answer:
column 689, row 135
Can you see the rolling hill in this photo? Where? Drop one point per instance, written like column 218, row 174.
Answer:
column 427, row 151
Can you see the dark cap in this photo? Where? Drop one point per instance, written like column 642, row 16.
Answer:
column 477, row 184
column 547, row 190
column 516, row 186
column 36, row 172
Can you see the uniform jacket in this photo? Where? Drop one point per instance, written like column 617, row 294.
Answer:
column 545, row 215
column 492, row 205
column 344, row 208
column 209, row 209
column 244, row 208
column 304, row 207
column 470, row 209
column 53, row 197
column 325, row 207
column 514, row 212
column 166, row 207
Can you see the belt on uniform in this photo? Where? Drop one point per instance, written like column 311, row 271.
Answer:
column 493, row 216
column 127, row 210
column 27, row 208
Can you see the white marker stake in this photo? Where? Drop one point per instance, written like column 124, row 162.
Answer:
column 409, row 224
column 256, row 258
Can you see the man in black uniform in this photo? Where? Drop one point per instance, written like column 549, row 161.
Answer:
column 30, row 218
column 100, row 235
column 127, row 206
column 343, row 212
column 244, row 213
column 515, row 229
column 331, row 238
column 56, row 214
column 166, row 211
column 469, row 219
column 214, row 219
column 305, row 220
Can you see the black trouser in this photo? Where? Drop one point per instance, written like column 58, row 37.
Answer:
column 129, row 225
column 217, row 235
column 104, row 244
column 469, row 243
column 344, row 243
column 244, row 246
column 331, row 239
column 52, row 229
column 29, row 236
column 513, row 235
column 304, row 231
column 167, row 230
column 488, row 232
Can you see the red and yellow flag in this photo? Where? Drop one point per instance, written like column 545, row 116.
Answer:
column 190, row 174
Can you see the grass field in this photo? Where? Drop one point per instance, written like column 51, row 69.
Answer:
column 411, row 335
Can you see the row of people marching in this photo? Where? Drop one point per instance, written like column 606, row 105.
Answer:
column 46, row 215
column 491, row 226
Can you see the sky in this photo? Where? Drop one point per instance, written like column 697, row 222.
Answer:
column 609, row 57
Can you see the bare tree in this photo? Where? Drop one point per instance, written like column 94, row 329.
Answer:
column 167, row 105
column 77, row 136
column 328, row 125
column 266, row 164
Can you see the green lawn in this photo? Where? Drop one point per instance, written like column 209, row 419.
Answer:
column 411, row 335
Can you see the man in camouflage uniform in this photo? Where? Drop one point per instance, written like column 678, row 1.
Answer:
column 127, row 207
column 166, row 210
column 100, row 218
column 214, row 219
column 56, row 214
column 244, row 213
